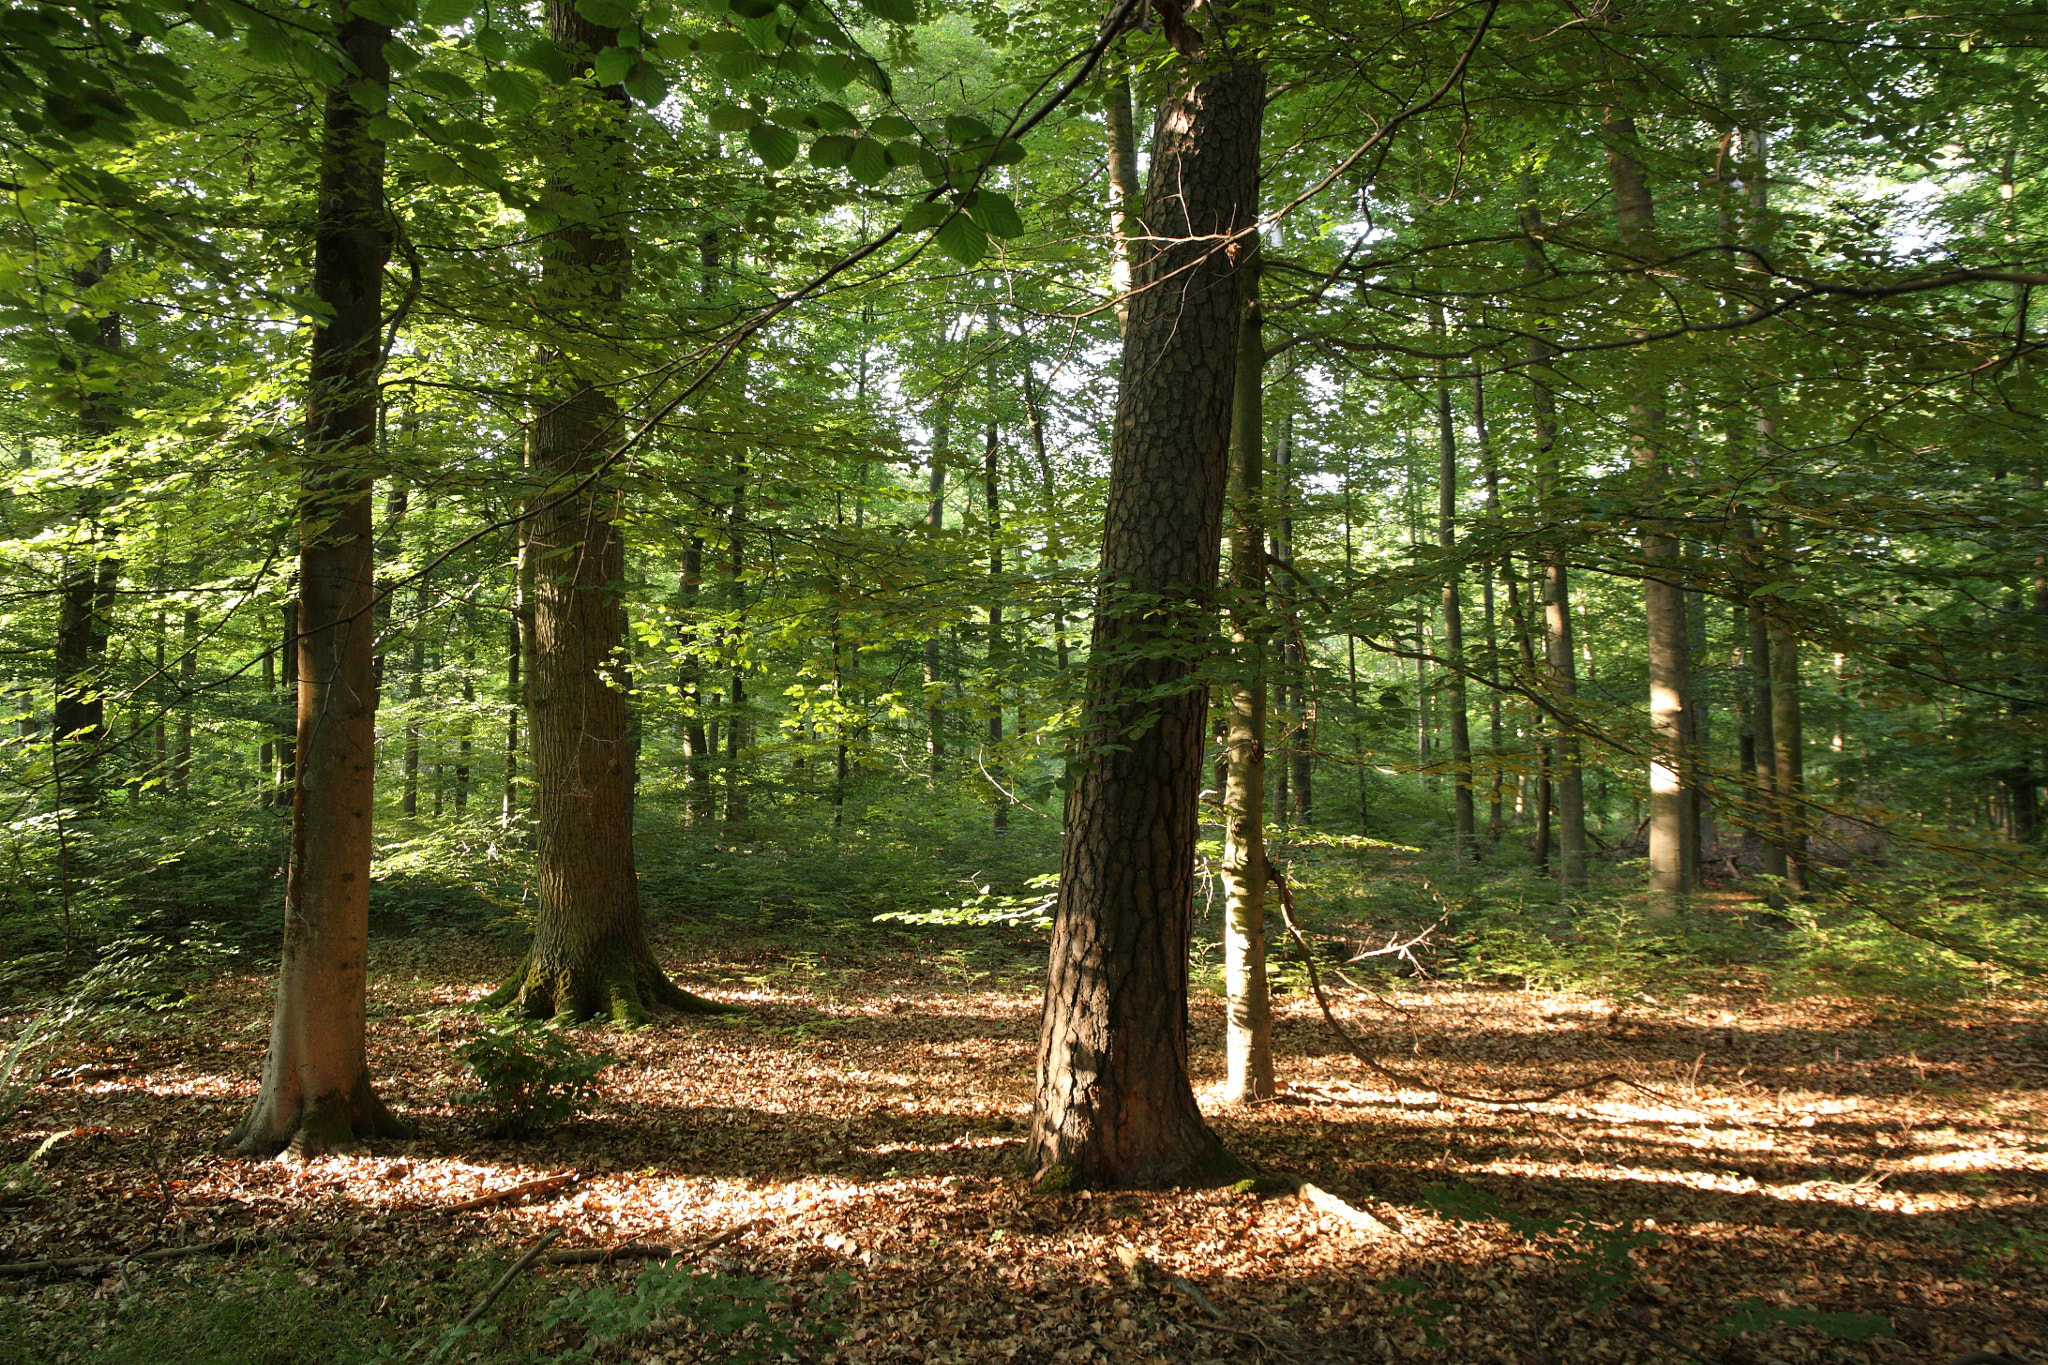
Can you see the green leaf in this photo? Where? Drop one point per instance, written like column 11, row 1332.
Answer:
column 892, row 125
column 444, row 83
column 370, row 96
column 513, row 93
column 934, row 169
column 830, row 152
column 995, row 214
column 401, row 56
column 895, row 11
column 959, row 238
column 446, row 13
column 868, row 163
column 776, row 146
column 385, row 128
column 390, row 13
column 833, row 118
column 491, row 44
column 1005, row 153
column 612, row 64
column 960, row 129
column 730, row 118
column 723, row 40
column 753, row 9
column 836, row 73
column 605, row 14
column 924, row 217
column 436, row 168
column 155, row 106
column 741, row 66
column 904, row 153
column 646, row 83
column 544, row 57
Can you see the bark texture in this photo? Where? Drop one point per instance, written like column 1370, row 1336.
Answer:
column 590, row 957
column 1114, row 1105
column 1248, row 1038
column 316, row 1092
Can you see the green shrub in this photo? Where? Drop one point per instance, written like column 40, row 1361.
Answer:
column 530, row 1075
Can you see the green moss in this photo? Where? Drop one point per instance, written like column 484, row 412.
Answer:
column 1061, row 1177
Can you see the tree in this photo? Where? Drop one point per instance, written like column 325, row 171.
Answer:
column 316, row 1093
column 1114, row 1104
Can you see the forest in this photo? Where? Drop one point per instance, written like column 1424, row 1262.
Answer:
column 997, row 680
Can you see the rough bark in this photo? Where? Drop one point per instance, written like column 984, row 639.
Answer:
column 316, row 1093
column 1114, row 1104
column 589, row 957
column 1248, row 1036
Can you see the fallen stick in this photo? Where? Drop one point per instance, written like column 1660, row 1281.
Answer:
column 1187, row 1290
column 1325, row 1202
column 490, row 1296
column 543, row 1186
column 56, row 1263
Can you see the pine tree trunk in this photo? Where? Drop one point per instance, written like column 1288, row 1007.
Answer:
column 1114, row 1104
column 1248, row 1038
column 316, row 1092
column 590, row 956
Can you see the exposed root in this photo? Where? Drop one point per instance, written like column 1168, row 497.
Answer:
column 624, row 987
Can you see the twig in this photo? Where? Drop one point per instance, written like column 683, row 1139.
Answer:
column 1315, row 981
column 56, row 1263
column 1186, row 1289
column 490, row 1296
column 1673, row 1342
column 544, row 1186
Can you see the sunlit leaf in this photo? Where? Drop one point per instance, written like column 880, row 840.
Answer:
column 868, row 163
column 995, row 214
column 776, row 146
column 959, row 238
column 513, row 93
column 895, row 11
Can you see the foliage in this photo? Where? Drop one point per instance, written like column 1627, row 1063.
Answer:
column 736, row 1320
column 531, row 1074
column 1597, row 1256
column 1754, row 1315
column 987, row 908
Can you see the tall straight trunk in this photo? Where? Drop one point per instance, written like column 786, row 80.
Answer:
column 992, row 488
column 589, row 956
column 1525, row 643
column 2028, row 826
column 1673, row 835
column 1490, row 472
column 1351, row 677
column 1114, row 1104
column 1464, row 832
column 1301, row 802
column 266, row 752
column 1124, row 194
column 1054, row 549
column 935, row 522
column 465, row 728
column 697, row 752
column 736, row 695
column 1248, row 1036
column 78, row 723
column 1560, row 659
column 188, row 677
column 1769, row 815
column 1745, row 730
column 316, row 1092
column 1788, row 738
column 415, row 697
column 287, row 728
column 515, row 702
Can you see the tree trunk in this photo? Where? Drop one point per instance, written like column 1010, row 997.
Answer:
column 935, row 522
column 697, row 752
column 1788, row 739
column 1464, row 829
column 188, row 678
column 287, row 703
column 1124, row 226
column 316, row 1092
column 736, row 718
column 1248, row 1038
column 1567, row 770
column 415, row 697
column 590, row 956
column 515, row 702
column 992, row 489
column 1054, row 549
column 1663, row 594
column 1114, row 1104
column 78, row 724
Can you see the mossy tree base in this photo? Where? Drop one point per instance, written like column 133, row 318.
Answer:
column 621, row 986
column 299, row 1127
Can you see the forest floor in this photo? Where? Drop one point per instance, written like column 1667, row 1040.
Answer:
column 1816, row 1165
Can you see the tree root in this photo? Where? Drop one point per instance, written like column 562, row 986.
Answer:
column 623, row 986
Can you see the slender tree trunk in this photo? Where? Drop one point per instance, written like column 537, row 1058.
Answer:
column 1789, row 740
column 1490, row 471
column 736, row 716
column 1301, row 801
column 1249, row 1031
column 1124, row 192
column 590, row 956
column 991, row 487
column 1540, row 843
column 1055, row 550
column 316, row 1092
column 188, row 677
column 515, row 702
column 1463, row 822
column 1770, row 811
column 1663, row 593
column 78, row 724
column 465, row 729
column 697, row 752
column 1567, row 771
column 415, row 697
column 935, row 522
column 287, row 728
column 1114, row 1104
